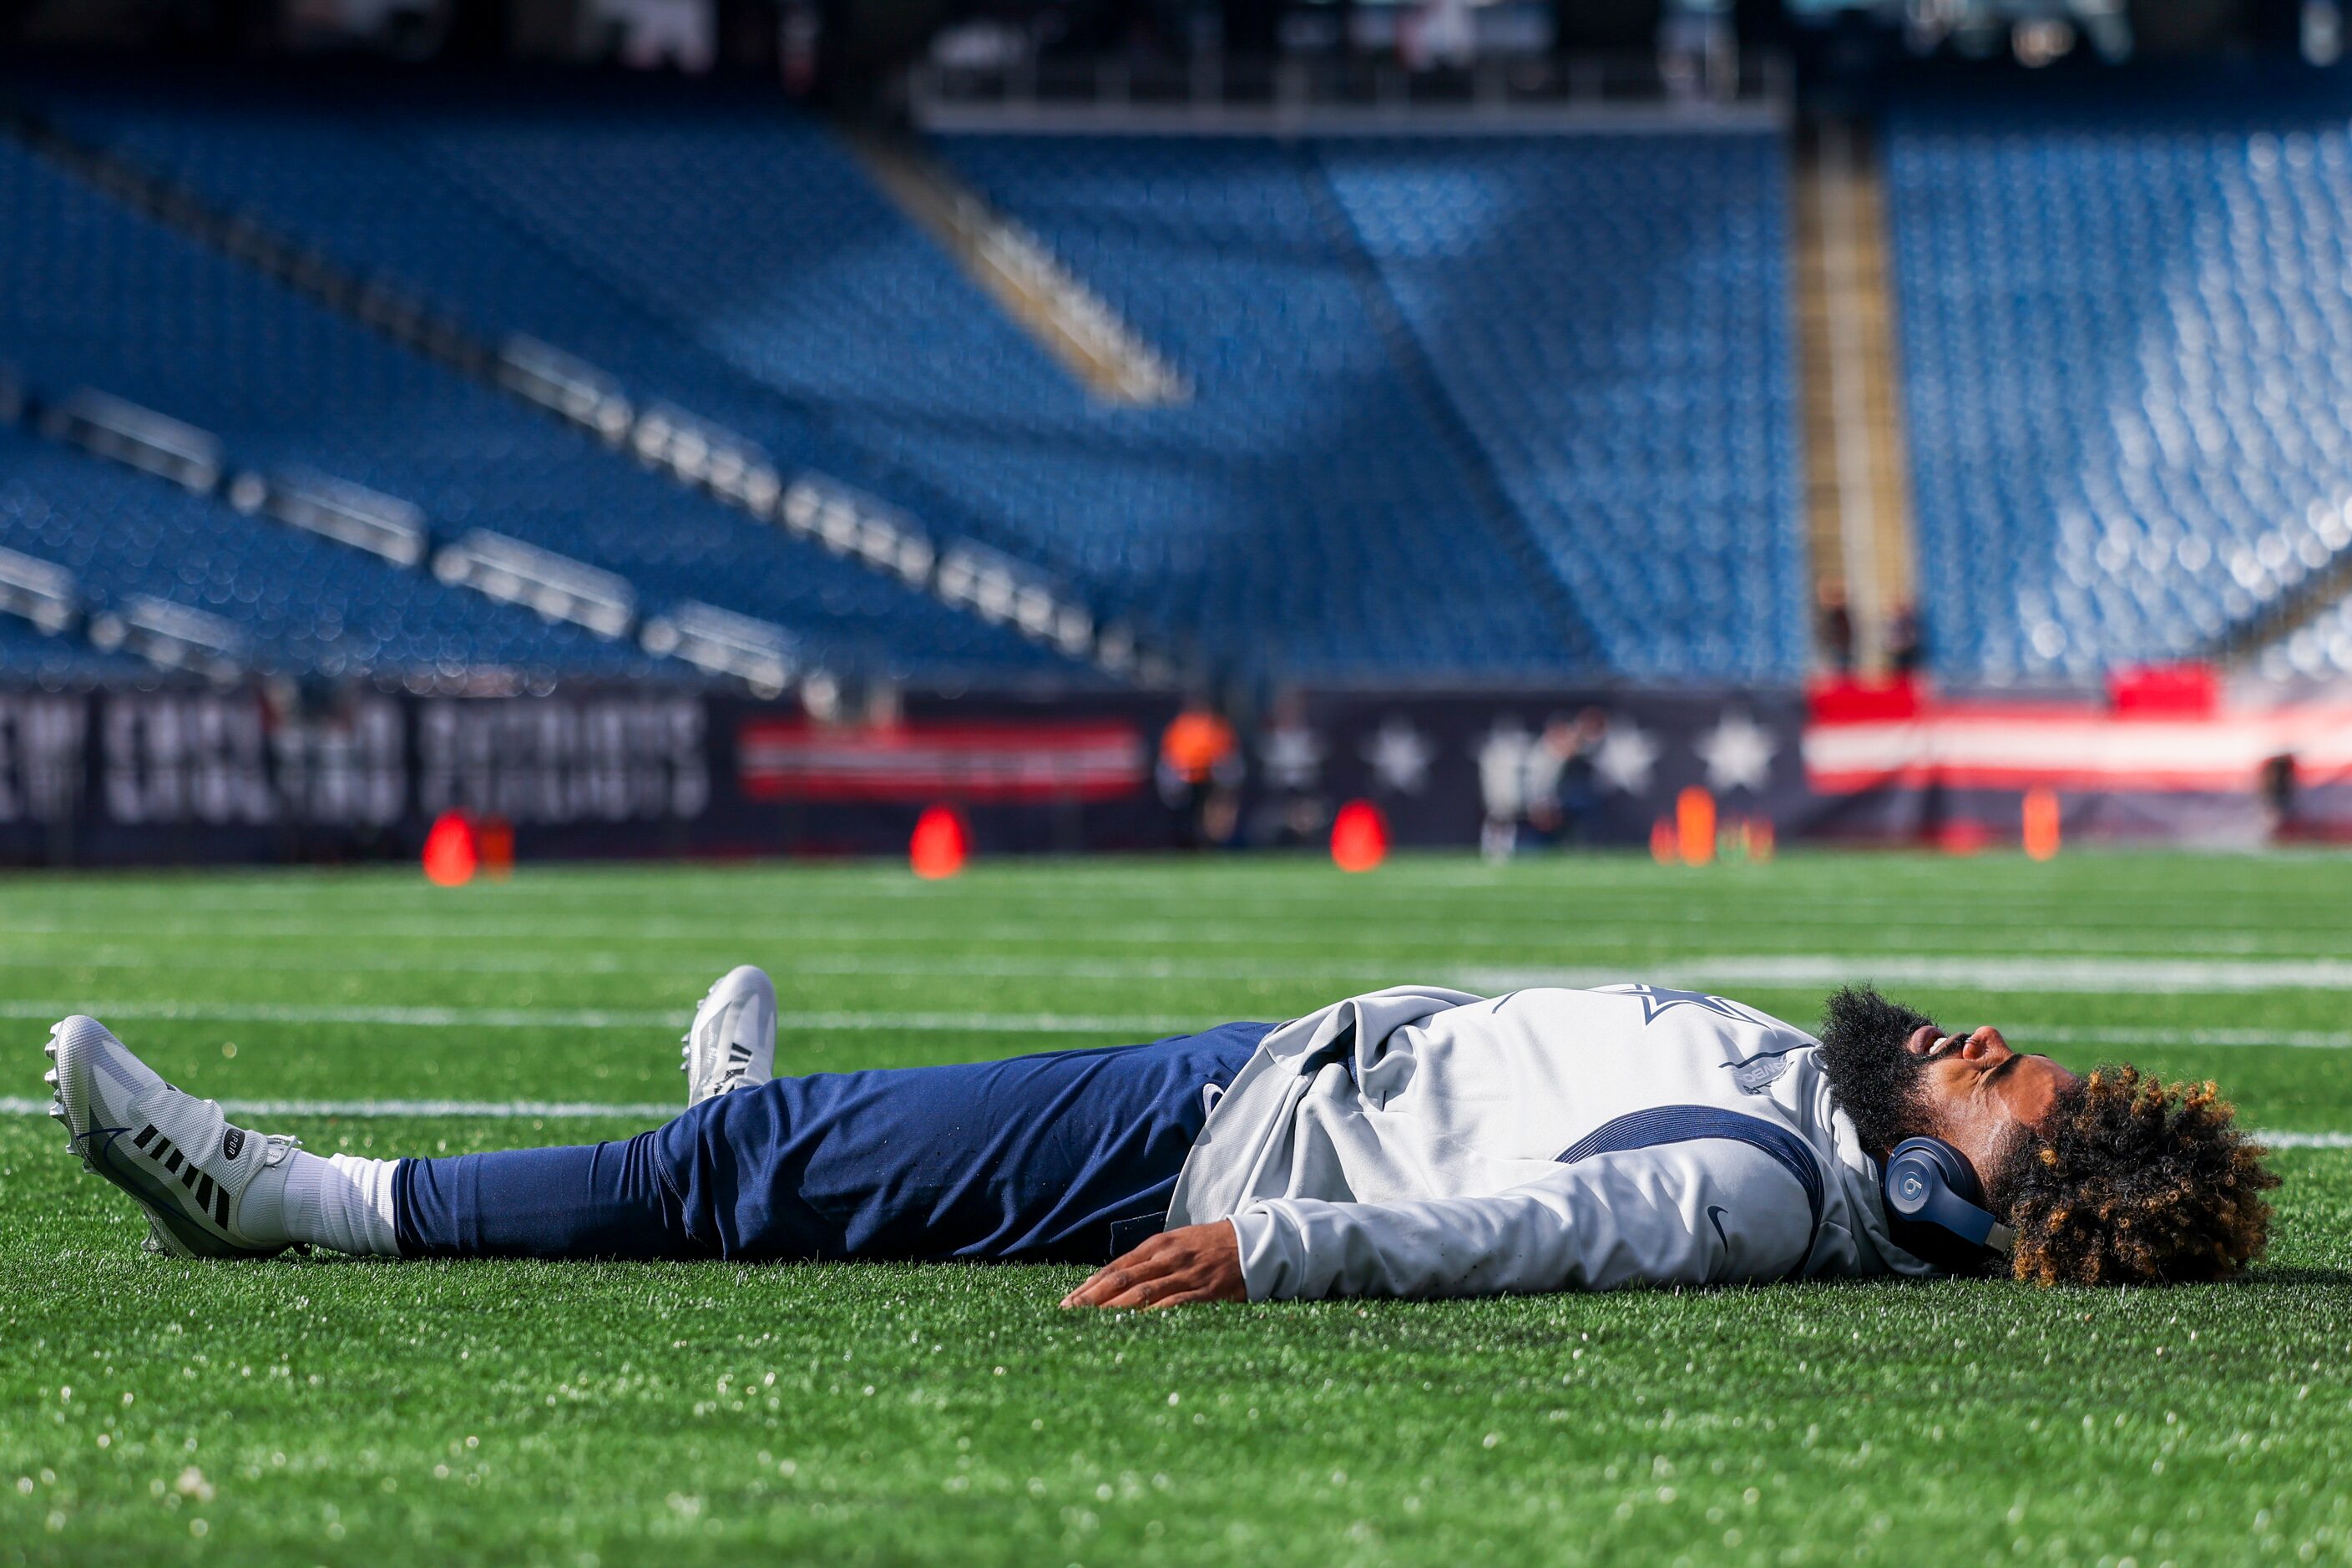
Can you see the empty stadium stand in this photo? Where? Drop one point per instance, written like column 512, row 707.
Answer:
column 61, row 658
column 301, row 602
column 2319, row 647
column 2128, row 346
column 1386, row 467
column 376, row 182
column 1612, row 316
column 1310, row 490
column 103, row 297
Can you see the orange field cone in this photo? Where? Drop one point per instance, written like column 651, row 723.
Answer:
column 450, row 855
column 1666, row 845
column 1695, row 825
column 494, row 838
column 1359, row 836
column 2041, row 822
column 941, row 844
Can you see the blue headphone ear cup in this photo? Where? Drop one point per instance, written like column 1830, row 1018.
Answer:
column 1924, row 1164
column 1933, row 1201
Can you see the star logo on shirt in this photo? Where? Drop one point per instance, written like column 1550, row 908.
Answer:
column 1657, row 999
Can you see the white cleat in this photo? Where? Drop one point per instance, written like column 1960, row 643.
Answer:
column 176, row 1155
column 733, row 1039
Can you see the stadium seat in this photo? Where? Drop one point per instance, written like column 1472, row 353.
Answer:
column 105, row 299
column 2124, row 334
column 1611, row 316
column 59, row 660
column 304, row 604
column 1386, row 467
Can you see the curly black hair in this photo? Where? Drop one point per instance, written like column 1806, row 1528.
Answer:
column 2132, row 1181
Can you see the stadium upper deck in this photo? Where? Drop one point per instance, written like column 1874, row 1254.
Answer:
column 1475, row 408
column 1530, row 442
column 103, row 298
column 2127, row 360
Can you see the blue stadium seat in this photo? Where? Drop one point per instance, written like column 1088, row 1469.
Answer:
column 105, row 299
column 304, row 604
column 2319, row 648
column 1490, row 497
column 1611, row 315
column 1310, row 492
column 60, row 660
column 2125, row 335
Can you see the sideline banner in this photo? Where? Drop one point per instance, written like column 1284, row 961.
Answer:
column 184, row 773
column 178, row 774
column 1956, row 773
column 1589, row 765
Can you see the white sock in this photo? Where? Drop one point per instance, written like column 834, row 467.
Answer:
column 340, row 1203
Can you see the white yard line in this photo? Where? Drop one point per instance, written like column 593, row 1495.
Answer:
column 1982, row 972
column 1603, row 924
column 396, row 1018
column 2036, row 1034
column 1134, row 1025
column 324, row 947
column 788, row 960
column 495, row 1109
column 1975, row 973
column 1138, row 1024
column 1455, row 931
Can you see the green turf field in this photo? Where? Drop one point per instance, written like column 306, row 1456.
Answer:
column 339, row 1411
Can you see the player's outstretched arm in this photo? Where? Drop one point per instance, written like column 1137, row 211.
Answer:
column 1697, row 1213
column 1191, row 1263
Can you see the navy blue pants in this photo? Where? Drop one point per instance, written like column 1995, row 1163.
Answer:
column 1063, row 1157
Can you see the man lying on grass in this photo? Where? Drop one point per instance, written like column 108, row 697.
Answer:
column 1407, row 1142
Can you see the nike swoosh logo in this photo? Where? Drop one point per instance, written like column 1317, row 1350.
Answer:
column 1715, row 1213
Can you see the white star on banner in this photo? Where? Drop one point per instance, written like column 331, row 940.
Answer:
column 1399, row 756
column 1737, row 753
column 1626, row 757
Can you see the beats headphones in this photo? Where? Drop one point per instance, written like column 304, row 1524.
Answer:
column 1935, row 1207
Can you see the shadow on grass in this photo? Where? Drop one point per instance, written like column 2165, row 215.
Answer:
column 2292, row 1275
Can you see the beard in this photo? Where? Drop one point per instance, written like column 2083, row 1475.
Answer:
column 1873, row 1078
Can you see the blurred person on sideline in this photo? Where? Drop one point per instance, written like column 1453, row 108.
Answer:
column 1907, row 640
column 2274, row 787
column 1563, row 787
column 1199, row 773
column 1290, row 768
column 1834, row 627
column 1502, row 789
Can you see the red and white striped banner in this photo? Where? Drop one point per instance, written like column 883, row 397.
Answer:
column 2018, row 746
column 1004, row 761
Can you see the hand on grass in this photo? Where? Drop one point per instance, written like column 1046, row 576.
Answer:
column 1192, row 1263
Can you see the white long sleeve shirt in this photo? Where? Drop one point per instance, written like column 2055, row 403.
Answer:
column 1419, row 1141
